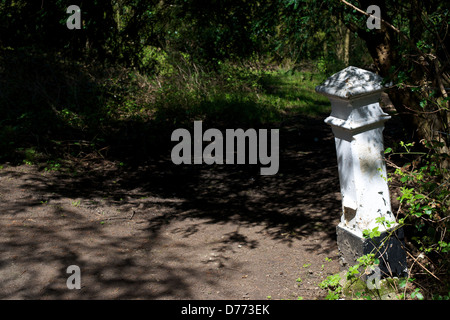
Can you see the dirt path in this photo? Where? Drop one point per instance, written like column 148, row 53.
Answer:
column 160, row 231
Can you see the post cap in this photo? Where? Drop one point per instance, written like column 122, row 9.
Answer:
column 351, row 82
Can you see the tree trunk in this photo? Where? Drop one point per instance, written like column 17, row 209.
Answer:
column 420, row 123
column 347, row 47
column 343, row 43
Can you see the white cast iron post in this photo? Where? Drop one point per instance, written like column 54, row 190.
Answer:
column 357, row 121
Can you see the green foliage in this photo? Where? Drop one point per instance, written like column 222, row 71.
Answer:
column 417, row 294
column 424, row 196
column 371, row 233
column 71, row 107
column 192, row 93
column 332, row 284
column 352, row 284
column 234, row 94
column 424, row 199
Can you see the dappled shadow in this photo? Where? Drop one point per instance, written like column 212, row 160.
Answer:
column 351, row 81
column 152, row 196
column 140, row 226
column 35, row 258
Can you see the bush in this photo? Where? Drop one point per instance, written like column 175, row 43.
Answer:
column 424, row 211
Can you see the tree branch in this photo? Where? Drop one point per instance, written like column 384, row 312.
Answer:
column 412, row 44
column 369, row 15
column 439, row 81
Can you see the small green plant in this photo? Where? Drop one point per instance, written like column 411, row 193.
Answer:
column 367, row 262
column 332, row 284
column 371, row 233
column 386, row 223
column 30, row 155
column 76, row 203
column 52, row 166
column 353, row 284
column 416, row 294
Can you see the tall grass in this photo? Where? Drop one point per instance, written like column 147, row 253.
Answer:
column 294, row 92
column 236, row 94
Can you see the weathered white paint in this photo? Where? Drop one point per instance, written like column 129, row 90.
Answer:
column 357, row 121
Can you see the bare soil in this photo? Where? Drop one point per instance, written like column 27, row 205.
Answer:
column 161, row 231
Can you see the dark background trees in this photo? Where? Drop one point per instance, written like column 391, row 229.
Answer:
column 41, row 59
column 410, row 49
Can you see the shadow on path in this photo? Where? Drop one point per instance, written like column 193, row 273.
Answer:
column 160, row 231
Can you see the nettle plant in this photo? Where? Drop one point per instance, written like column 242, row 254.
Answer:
column 424, row 207
column 424, row 199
